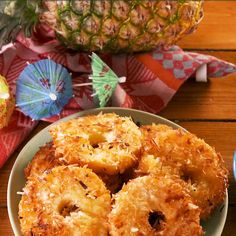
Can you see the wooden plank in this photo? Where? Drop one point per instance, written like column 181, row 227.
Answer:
column 217, row 29
column 5, row 227
column 215, row 99
column 4, row 176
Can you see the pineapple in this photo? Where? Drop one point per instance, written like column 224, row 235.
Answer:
column 105, row 25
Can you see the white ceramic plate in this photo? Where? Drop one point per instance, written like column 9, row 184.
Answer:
column 213, row 227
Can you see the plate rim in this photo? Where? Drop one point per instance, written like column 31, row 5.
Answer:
column 84, row 113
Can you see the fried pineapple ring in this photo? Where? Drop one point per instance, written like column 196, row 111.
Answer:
column 43, row 160
column 106, row 143
column 67, row 201
column 154, row 206
column 195, row 162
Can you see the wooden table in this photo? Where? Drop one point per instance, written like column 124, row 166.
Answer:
column 206, row 109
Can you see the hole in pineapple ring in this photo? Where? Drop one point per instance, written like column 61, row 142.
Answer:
column 157, row 220
column 95, row 139
column 190, row 176
column 66, row 207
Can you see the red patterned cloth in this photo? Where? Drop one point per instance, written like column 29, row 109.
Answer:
column 151, row 79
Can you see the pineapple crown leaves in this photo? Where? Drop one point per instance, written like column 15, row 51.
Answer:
column 17, row 15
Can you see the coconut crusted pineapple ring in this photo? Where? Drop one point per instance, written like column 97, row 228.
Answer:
column 194, row 161
column 154, row 206
column 106, row 143
column 44, row 160
column 68, row 201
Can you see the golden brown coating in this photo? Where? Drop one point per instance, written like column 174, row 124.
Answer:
column 151, row 130
column 151, row 205
column 6, row 109
column 195, row 162
column 150, row 164
column 178, row 179
column 106, row 143
column 67, row 201
column 44, row 160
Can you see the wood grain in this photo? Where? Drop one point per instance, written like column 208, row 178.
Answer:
column 215, row 99
column 217, row 29
column 5, row 227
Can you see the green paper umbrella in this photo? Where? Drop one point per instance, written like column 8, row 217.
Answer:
column 104, row 80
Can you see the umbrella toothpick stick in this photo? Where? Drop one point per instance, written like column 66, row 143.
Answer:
column 93, row 94
column 122, row 79
column 83, row 84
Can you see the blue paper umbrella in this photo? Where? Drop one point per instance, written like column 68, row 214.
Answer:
column 43, row 89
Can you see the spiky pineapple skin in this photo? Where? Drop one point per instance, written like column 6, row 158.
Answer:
column 121, row 25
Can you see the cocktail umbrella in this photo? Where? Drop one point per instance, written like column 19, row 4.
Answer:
column 43, row 89
column 7, row 103
column 104, row 80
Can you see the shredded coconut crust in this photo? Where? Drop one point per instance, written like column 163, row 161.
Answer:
column 197, row 164
column 78, row 204
column 106, row 143
column 152, row 205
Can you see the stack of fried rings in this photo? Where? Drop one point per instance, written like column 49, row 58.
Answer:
column 158, row 179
